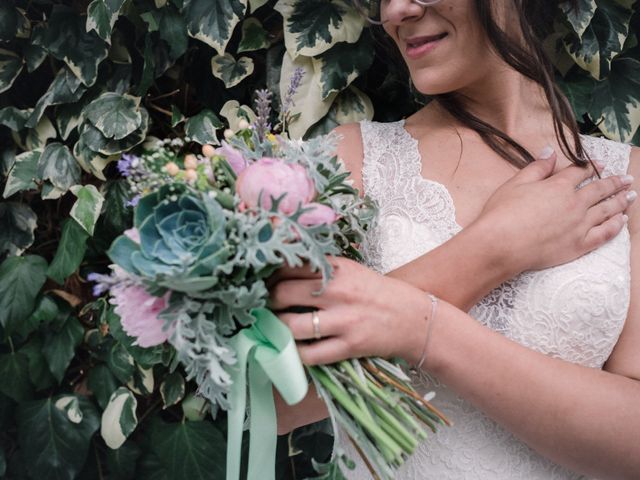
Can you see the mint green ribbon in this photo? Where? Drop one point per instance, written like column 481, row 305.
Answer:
column 268, row 352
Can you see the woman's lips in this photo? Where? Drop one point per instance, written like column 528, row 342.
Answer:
column 419, row 46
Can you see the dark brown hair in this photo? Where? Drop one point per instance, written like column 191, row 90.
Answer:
column 529, row 59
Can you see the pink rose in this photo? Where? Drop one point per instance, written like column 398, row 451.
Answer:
column 139, row 312
column 237, row 162
column 318, row 215
column 270, row 178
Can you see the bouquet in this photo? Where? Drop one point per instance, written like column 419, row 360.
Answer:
column 209, row 230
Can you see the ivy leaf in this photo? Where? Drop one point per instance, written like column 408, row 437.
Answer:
column 172, row 389
column 70, row 252
column 52, row 444
column 122, row 462
column 39, row 372
column 115, row 116
column 121, row 362
column 45, row 312
column 37, row 137
column 578, row 88
column 314, row 26
column 615, row 105
column 102, row 16
column 21, row 278
column 34, row 55
column 254, row 36
column 59, row 348
column 213, row 22
column 93, row 138
column 176, row 116
column 9, row 21
column 22, row 174
column 202, row 127
column 65, row 37
column 579, row 17
column 68, row 117
column 14, row 118
column 14, row 376
column 10, row 67
column 102, row 383
column 194, row 450
column 58, row 165
column 17, row 227
column 145, row 357
column 65, row 88
column 87, row 208
column 343, row 64
column 173, row 31
column 230, row 70
column 119, row 418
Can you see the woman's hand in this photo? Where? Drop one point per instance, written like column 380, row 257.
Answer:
column 361, row 313
column 538, row 220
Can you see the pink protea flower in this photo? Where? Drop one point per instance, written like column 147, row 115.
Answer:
column 318, row 215
column 270, row 178
column 139, row 312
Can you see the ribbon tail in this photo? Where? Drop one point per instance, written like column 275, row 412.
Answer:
column 263, row 423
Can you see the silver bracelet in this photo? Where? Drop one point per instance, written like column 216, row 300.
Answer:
column 432, row 317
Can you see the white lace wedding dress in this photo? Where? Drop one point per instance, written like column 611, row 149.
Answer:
column 574, row 311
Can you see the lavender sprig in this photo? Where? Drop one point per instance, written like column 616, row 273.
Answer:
column 287, row 102
column 263, row 111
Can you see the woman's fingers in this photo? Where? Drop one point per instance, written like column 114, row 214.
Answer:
column 604, row 232
column 291, row 293
column 302, row 325
column 602, row 189
column 330, row 350
column 575, row 175
column 610, row 207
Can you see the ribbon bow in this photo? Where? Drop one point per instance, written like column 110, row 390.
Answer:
column 268, row 351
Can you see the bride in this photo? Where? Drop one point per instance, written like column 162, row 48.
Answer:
column 542, row 377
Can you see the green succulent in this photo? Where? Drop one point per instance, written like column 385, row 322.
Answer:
column 182, row 240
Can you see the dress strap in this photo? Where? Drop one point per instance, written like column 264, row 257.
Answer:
column 614, row 155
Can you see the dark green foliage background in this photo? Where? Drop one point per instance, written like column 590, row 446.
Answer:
column 83, row 81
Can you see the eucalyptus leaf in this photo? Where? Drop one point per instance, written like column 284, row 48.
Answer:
column 23, row 173
column 10, row 67
column 54, row 447
column 58, row 165
column 230, row 70
column 59, row 347
column 213, row 22
column 202, row 127
column 70, row 252
column 119, row 418
column 87, row 207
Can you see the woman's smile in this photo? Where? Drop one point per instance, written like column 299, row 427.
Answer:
column 416, row 47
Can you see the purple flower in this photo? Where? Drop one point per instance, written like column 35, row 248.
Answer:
column 233, row 156
column 294, row 85
column 126, row 163
column 134, row 201
column 102, row 283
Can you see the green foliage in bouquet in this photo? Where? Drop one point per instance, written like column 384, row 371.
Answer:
column 83, row 82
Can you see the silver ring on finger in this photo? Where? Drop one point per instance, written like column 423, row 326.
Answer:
column 315, row 320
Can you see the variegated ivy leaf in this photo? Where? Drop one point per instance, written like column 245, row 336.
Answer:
column 254, row 36
column 602, row 40
column 65, row 37
column 17, row 226
column 96, row 141
column 309, row 106
column 119, row 419
column 213, row 22
column 71, row 406
column 10, row 67
column 172, row 389
column 68, row 117
column 353, row 105
column 142, row 382
column 14, row 118
column 233, row 112
column 88, row 205
column 343, row 63
column 23, row 173
column 312, row 27
column 115, row 116
column 90, row 161
column 9, row 18
column 65, row 88
column 37, row 137
column 615, row 104
column 580, row 17
column 102, row 16
column 230, row 70
column 58, row 165
column 202, row 127
column 256, row 4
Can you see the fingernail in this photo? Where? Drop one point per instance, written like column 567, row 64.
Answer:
column 631, row 195
column 546, row 152
column 627, row 179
